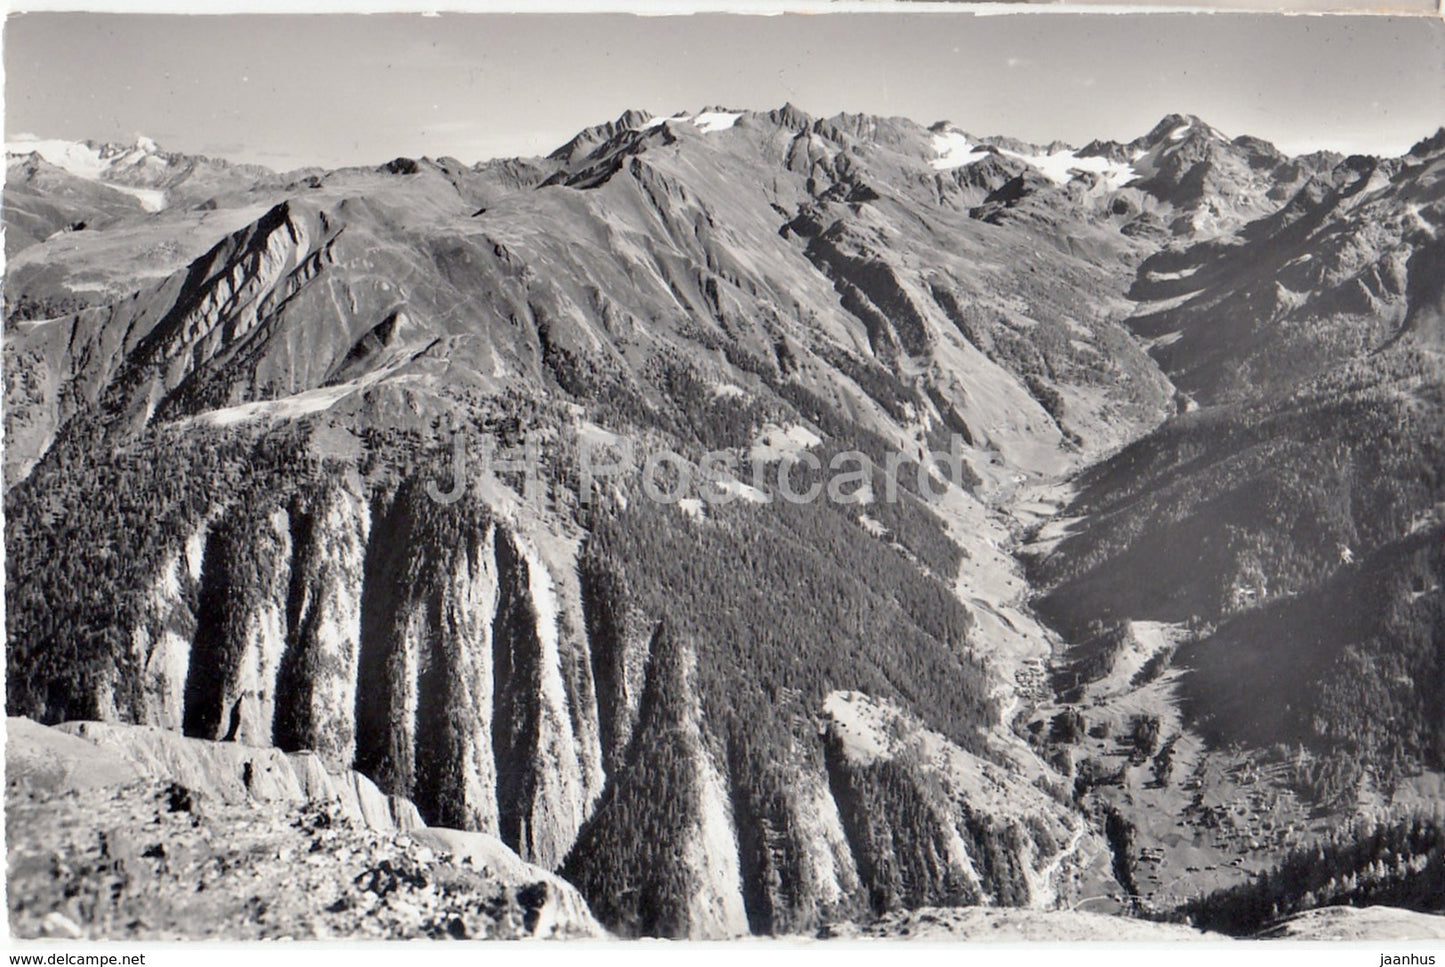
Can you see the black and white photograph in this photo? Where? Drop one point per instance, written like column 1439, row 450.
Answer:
column 819, row 476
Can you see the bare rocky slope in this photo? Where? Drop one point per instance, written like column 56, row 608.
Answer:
column 127, row 832
column 246, row 503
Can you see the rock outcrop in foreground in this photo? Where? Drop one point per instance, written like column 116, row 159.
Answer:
column 1356, row 923
column 139, row 833
column 1011, row 925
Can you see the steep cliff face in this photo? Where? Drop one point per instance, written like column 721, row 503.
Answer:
column 798, row 868
column 248, row 631
column 682, row 879
column 230, row 688
column 132, row 355
column 316, row 682
column 619, row 636
column 889, row 816
column 830, row 871
column 422, row 630
column 161, row 640
column 711, row 853
column 435, row 648
column 470, row 704
column 214, row 320
column 540, row 732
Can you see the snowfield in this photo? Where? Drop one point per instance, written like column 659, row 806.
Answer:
column 953, row 150
column 91, row 163
column 710, row 121
column 79, row 159
column 151, row 199
column 1061, row 167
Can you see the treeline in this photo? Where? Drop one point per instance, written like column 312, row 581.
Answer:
column 791, row 598
column 85, row 528
column 781, row 604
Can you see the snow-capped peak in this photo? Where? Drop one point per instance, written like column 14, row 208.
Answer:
column 93, row 161
column 1174, row 128
column 84, row 159
column 80, row 158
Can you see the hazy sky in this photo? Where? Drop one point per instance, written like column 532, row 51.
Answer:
column 293, row 90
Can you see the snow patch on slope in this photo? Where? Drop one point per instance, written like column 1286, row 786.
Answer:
column 711, row 121
column 151, row 199
column 1061, row 166
column 953, row 150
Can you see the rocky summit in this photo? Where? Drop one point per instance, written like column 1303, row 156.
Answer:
column 347, row 590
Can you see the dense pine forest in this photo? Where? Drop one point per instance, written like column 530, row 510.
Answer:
column 1400, row 863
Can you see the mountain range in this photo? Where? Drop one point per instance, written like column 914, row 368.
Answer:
column 1174, row 623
